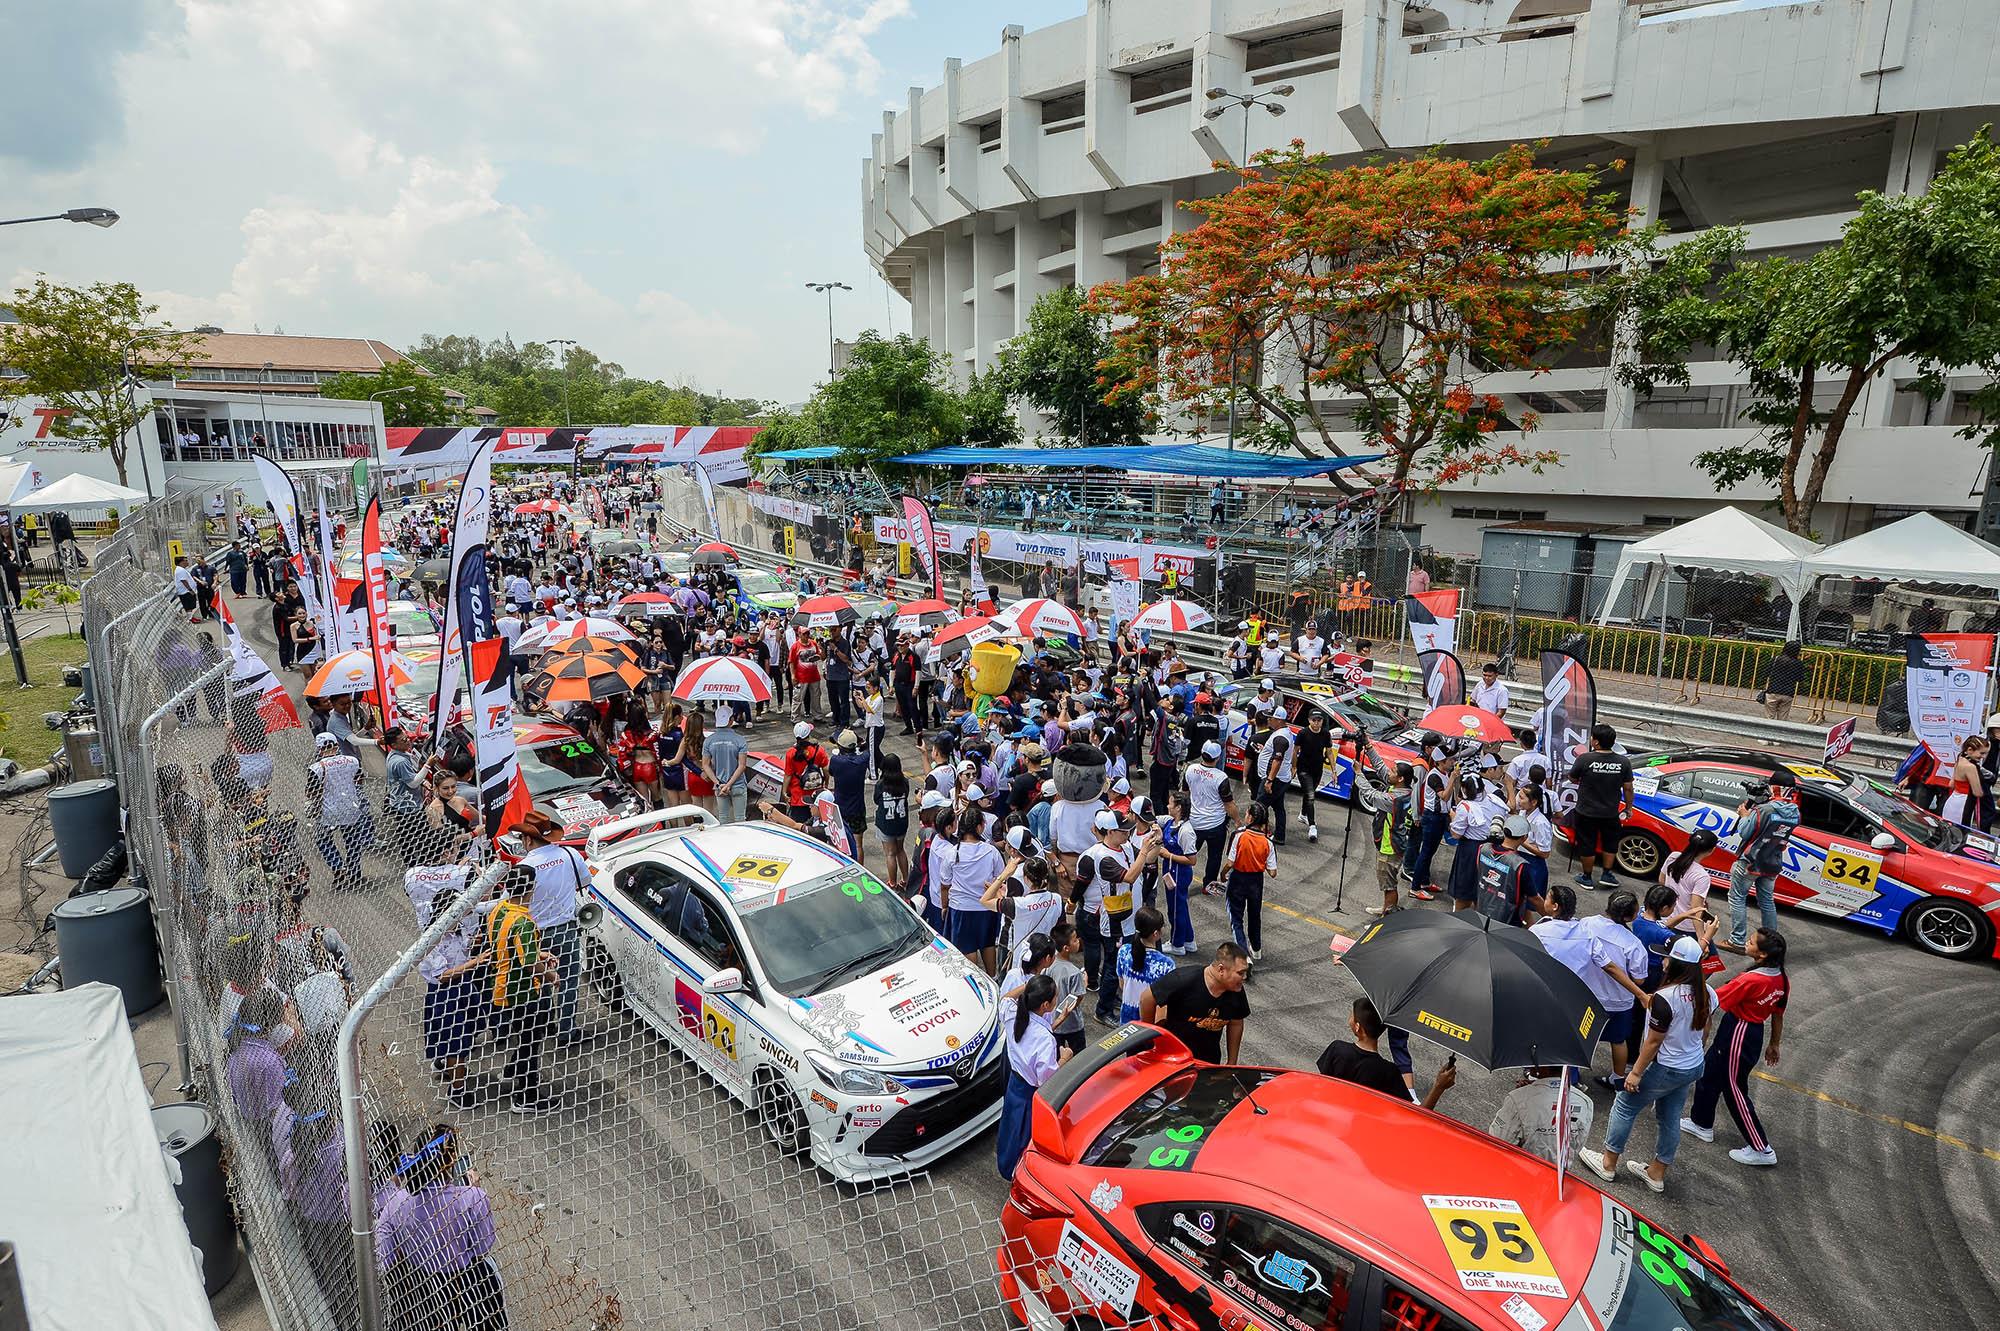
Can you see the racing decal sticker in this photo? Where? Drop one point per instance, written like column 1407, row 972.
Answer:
column 1492, row 1246
column 824, row 1103
column 934, row 1022
column 1095, row 1272
column 1645, row 784
column 719, row 1030
column 767, row 870
column 1848, row 878
column 1179, row 1149
column 893, row 981
column 865, row 1122
column 777, row 1053
column 1201, row 1229
column 1808, row 772
column 1283, row 1271
column 908, row 1010
column 1106, row 1197
column 1462, row 1034
column 1523, row 1313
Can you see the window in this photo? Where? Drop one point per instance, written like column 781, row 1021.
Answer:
column 1189, row 1230
column 1475, row 514
column 1165, row 1128
column 1279, row 1272
column 1716, row 786
column 1406, row 1310
column 658, row 891
column 1823, row 813
column 707, row 934
column 1060, row 113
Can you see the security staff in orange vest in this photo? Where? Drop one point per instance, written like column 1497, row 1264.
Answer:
column 1354, row 598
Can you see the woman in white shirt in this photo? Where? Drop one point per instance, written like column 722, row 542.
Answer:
column 1032, row 1058
column 972, row 926
column 1668, row 1066
column 1688, row 877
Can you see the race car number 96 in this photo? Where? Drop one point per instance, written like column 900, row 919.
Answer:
column 756, row 869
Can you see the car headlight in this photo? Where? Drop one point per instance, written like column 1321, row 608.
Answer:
column 850, row 1080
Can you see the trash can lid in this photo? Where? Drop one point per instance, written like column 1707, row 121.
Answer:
column 181, row 1127
column 91, row 904
column 77, row 790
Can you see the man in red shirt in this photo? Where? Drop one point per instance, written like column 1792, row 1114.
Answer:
column 802, row 755
column 805, row 658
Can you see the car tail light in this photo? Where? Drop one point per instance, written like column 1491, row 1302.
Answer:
column 1033, row 1200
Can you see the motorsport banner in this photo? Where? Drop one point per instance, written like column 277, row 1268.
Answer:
column 473, row 528
column 924, row 541
column 707, row 484
column 376, row 589
column 1433, row 620
column 720, row 448
column 251, row 681
column 791, row 510
column 1568, row 711
column 1945, row 676
column 336, row 634
column 977, row 577
column 1039, row 548
column 489, row 670
column 1444, row 679
column 284, row 500
column 1124, row 588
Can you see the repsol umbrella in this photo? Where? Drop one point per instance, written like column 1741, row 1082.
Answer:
column 584, row 677
column 1485, row 991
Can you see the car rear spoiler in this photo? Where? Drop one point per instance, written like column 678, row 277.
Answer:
column 1128, row 1041
column 680, row 813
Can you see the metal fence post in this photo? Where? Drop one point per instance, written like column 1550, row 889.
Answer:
column 163, row 925
column 102, row 681
column 353, row 1111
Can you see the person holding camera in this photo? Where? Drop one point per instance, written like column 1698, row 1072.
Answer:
column 1765, row 821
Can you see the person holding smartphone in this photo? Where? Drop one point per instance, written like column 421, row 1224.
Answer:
column 1033, row 1055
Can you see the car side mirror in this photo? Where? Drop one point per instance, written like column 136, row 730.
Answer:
column 1706, row 1251
column 728, row 981
column 1882, row 841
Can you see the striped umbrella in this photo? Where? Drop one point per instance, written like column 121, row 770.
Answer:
column 1037, row 616
column 970, row 631
column 927, row 614
column 823, row 612
column 723, row 679
column 1171, row 616
column 588, row 647
column 547, row 634
column 645, row 603
column 354, row 672
column 538, row 506
column 585, row 677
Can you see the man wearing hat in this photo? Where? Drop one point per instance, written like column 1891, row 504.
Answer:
column 561, row 881
column 1239, row 651
column 847, row 775
column 1105, row 874
column 1211, row 809
column 333, row 784
column 1765, row 821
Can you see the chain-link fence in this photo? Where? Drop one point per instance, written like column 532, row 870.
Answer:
column 518, row 1173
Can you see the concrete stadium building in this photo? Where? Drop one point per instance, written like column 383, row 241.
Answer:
column 1062, row 159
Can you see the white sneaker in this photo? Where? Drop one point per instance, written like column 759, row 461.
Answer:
column 1594, row 1162
column 1312, row 832
column 1645, row 1175
column 1694, row 1129
column 1256, row 954
column 1744, row 1155
column 1380, row 910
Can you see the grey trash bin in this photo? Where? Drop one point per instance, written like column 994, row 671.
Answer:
column 84, row 817
column 187, row 1133
column 108, row 937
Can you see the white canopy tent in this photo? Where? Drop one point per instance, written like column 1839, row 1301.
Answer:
column 1725, row 541
column 77, row 492
column 1920, row 548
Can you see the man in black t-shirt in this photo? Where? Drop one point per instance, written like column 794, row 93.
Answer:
column 1603, row 780
column 1360, row 1060
column 1197, row 1006
column 1027, row 780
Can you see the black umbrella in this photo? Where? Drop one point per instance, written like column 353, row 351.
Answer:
column 432, row 570
column 1486, row 991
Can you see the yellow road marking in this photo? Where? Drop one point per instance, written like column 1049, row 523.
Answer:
column 1889, row 1120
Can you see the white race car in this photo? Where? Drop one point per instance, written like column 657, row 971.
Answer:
column 807, row 988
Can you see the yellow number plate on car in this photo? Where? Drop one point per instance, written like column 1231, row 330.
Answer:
column 1492, row 1246
column 756, row 869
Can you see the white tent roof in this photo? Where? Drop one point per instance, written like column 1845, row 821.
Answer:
column 1920, row 548
column 19, row 477
column 77, row 491
column 1726, row 541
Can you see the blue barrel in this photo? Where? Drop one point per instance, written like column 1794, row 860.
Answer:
column 187, row 1133
column 84, row 817
column 108, row 937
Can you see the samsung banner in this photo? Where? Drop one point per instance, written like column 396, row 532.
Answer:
column 1945, row 677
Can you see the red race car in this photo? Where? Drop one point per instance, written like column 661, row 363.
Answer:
column 1349, row 712
column 1161, row 1191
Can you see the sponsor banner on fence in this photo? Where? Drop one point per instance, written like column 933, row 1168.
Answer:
column 1018, row 547
column 717, row 447
column 1434, row 620
column 791, row 510
column 1945, row 678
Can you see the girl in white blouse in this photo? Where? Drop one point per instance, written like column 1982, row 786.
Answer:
column 1032, row 1058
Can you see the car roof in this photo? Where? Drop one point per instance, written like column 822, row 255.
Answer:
column 1367, row 1162
column 1806, row 770
column 706, row 855
column 542, row 732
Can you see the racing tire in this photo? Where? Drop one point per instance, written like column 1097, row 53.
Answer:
column 779, row 1114
column 1948, row 929
column 1639, row 854
column 602, row 973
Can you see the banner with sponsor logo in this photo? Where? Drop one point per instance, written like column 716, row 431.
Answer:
column 1840, row 738
column 375, row 587
column 1041, row 548
column 791, row 510
column 976, row 575
column 251, row 682
column 707, row 484
column 1444, row 679
column 1945, row 678
column 1125, row 588
column 1433, row 620
column 283, row 497
column 489, row 671
column 473, row 527
column 720, row 448
column 924, row 541
column 1568, row 711
column 336, row 630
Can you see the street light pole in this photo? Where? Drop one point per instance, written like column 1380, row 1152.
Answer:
column 1224, row 100
column 829, row 288
column 264, row 418
column 94, row 216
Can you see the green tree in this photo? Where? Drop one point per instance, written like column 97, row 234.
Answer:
column 986, row 416
column 410, row 396
column 1914, row 278
column 893, row 397
column 1053, row 367
column 69, row 347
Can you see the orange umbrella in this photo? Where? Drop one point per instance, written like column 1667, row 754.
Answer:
column 585, row 678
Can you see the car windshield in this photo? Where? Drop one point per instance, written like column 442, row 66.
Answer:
column 570, row 764
column 832, row 930
column 1671, row 1289
column 758, row 582
column 1919, row 825
column 1165, row 1127
column 1372, row 715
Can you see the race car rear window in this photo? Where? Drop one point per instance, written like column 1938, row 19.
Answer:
column 1167, row 1127
column 1672, row 1289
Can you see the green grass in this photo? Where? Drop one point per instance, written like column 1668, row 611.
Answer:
column 23, row 737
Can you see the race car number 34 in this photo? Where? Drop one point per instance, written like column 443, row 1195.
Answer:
column 1492, row 1246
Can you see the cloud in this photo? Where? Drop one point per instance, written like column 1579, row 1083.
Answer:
column 62, row 95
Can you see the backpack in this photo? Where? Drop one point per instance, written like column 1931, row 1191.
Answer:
column 1770, row 835
column 1500, row 885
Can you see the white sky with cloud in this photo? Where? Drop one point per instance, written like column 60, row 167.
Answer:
column 655, row 178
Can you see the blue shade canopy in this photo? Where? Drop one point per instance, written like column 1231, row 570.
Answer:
column 816, row 453
column 1171, row 459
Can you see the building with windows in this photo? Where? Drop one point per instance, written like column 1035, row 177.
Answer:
column 1063, row 157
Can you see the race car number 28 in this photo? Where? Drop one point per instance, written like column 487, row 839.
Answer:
column 1493, row 1246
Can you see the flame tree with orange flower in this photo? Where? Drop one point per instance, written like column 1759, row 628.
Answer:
column 1392, row 284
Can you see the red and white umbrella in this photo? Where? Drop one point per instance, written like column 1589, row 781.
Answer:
column 723, row 679
column 648, row 603
column 970, row 631
column 1171, row 616
column 1462, row 722
column 927, row 614
column 538, row 506
column 550, row 632
column 354, row 672
column 1036, row 616
column 823, row 612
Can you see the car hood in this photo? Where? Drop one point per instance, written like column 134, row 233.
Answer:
column 580, row 810
column 773, row 600
column 928, row 1010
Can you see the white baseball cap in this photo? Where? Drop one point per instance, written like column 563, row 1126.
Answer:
column 1211, row 750
column 935, row 800
column 1685, row 948
column 1266, row 684
column 802, row 729
column 974, row 794
column 1121, row 786
column 1106, row 821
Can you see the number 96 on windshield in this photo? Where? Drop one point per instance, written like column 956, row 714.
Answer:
column 1492, row 1246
